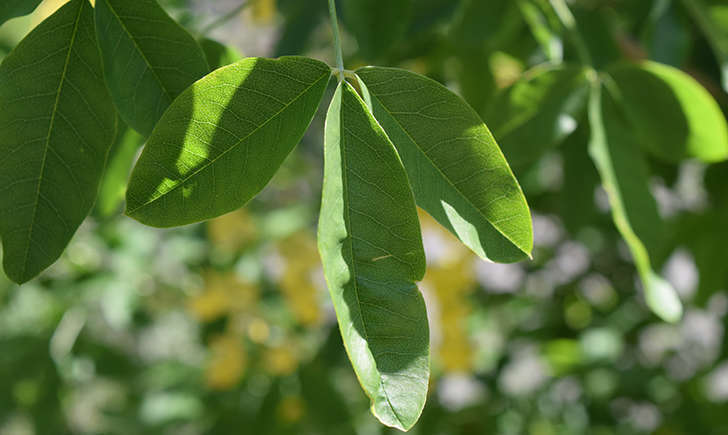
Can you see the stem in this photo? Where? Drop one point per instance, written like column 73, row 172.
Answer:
column 224, row 19
column 337, row 39
column 567, row 19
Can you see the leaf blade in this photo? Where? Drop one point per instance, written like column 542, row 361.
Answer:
column 54, row 135
column 254, row 109
column 16, row 8
column 485, row 208
column 674, row 115
column 623, row 172
column 149, row 59
column 370, row 269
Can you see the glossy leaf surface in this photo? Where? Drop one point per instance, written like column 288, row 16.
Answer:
column 457, row 172
column 674, row 116
column 149, row 59
column 371, row 247
column 224, row 138
column 623, row 172
column 56, row 127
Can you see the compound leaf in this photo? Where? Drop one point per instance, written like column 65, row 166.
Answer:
column 538, row 112
column 623, row 172
column 458, row 173
column 674, row 116
column 149, row 59
column 224, row 138
column 371, row 247
column 56, row 127
column 16, row 8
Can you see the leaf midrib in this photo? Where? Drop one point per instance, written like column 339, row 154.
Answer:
column 48, row 137
column 139, row 50
column 462, row 195
column 212, row 161
column 345, row 181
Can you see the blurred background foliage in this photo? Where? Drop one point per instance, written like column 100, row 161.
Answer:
column 226, row 327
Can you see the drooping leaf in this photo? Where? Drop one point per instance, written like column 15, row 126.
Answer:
column 116, row 176
column 16, row 8
column 371, row 248
column 712, row 17
column 674, row 116
column 149, row 59
column 376, row 24
column 56, row 127
column 580, row 181
column 219, row 55
column 538, row 112
column 623, row 172
column 457, row 172
column 224, row 138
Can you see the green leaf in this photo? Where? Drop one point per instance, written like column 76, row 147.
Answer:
column 674, row 116
column 541, row 20
column 16, row 8
column 224, row 138
column 149, row 59
column 376, row 24
column 121, row 159
column 538, row 112
column 712, row 17
column 623, row 171
column 371, row 247
column 219, row 55
column 56, row 127
column 458, row 173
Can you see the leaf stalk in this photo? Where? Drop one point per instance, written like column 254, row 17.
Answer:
column 337, row 39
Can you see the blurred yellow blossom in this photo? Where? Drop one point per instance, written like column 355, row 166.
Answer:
column 291, row 409
column 263, row 10
column 233, row 231
column 227, row 362
column 297, row 281
column 451, row 279
column 281, row 360
column 223, row 294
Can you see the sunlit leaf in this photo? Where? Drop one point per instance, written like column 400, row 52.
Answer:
column 674, row 116
column 457, row 172
column 56, row 127
column 16, row 8
column 224, row 138
column 624, row 176
column 538, row 112
column 149, row 59
column 371, row 247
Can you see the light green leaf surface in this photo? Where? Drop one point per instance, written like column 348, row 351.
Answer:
column 457, row 172
column 16, row 8
column 224, row 138
column 219, row 55
column 371, row 247
column 712, row 17
column 623, row 171
column 121, row 160
column 674, row 116
column 149, row 59
column 538, row 112
column 57, row 124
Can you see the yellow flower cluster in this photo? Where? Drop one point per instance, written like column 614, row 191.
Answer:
column 298, row 281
